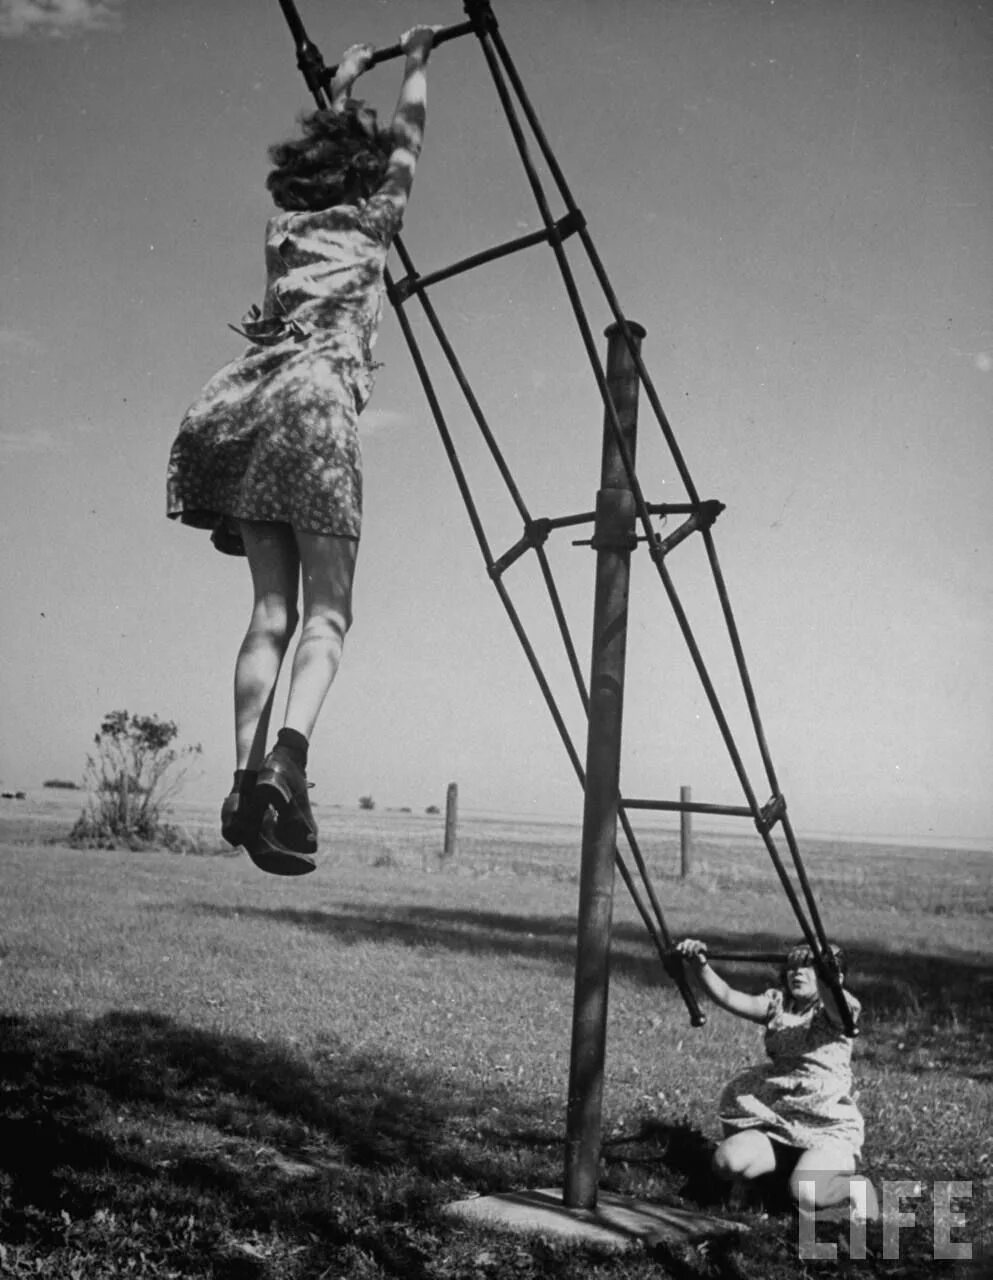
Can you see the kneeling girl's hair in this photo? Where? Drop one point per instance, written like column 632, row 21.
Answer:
column 800, row 956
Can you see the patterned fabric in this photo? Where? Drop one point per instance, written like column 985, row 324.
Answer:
column 273, row 435
column 802, row 1097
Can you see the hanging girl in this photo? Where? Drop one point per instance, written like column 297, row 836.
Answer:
column 268, row 457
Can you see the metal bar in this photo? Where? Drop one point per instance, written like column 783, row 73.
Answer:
column 309, row 58
column 804, row 882
column 614, row 527
column 747, row 957
column 827, row 965
column 396, row 50
column 413, row 284
column 677, row 806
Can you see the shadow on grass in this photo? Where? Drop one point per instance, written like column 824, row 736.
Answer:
column 925, row 990
column 133, row 1118
column 133, row 1144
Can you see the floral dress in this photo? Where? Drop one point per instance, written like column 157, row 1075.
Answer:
column 803, row 1096
column 273, row 435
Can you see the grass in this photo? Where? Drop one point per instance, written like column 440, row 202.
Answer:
column 206, row 1072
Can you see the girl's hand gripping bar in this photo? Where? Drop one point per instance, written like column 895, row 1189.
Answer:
column 674, row 964
column 396, row 50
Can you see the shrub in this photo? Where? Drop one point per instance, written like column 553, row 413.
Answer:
column 129, row 780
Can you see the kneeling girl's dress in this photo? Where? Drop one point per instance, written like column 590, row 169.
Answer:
column 273, row 436
column 803, row 1096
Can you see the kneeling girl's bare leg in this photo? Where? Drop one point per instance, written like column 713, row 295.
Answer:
column 825, row 1176
column 740, row 1159
column 745, row 1155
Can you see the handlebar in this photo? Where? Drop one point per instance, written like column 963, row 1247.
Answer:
column 396, row 50
column 827, row 966
column 674, row 964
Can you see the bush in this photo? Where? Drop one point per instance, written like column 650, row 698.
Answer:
column 129, row 781
column 366, row 802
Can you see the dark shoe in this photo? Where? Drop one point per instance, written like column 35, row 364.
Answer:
column 283, row 785
column 269, row 854
column 240, row 817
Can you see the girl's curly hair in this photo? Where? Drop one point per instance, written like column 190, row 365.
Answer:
column 340, row 152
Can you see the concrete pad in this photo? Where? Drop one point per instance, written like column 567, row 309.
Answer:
column 618, row 1222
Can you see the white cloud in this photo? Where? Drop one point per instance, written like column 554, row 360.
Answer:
column 58, row 17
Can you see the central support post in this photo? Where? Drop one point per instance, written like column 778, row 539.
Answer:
column 614, row 539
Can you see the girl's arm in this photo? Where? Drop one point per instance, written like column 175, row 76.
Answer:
column 354, row 61
column 754, row 1008
column 410, row 114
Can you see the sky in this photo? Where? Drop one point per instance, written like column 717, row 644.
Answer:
column 794, row 199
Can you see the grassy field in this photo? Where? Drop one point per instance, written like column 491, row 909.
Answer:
column 208, row 1072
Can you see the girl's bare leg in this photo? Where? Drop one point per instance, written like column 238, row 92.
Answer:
column 328, row 569
column 747, row 1154
column 275, row 566
column 742, row 1157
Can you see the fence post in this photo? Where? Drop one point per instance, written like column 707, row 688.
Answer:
column 685, row 833
column 613, row 539
column 451, row 819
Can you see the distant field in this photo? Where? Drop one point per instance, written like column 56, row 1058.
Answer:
column 209, row 1072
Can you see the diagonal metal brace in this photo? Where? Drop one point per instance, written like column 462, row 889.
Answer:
column 702, row 518
column 309, row 58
